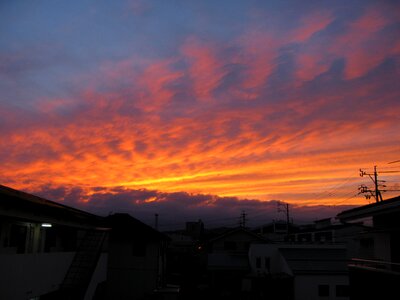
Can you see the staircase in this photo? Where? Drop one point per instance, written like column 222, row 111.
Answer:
column 79, row 274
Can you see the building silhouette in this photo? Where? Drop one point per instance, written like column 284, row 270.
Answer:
column 375, row 268
column 53, row 251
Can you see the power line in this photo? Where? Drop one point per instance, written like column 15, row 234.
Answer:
column 393, row 162
column 351, row 197
column 330, row 192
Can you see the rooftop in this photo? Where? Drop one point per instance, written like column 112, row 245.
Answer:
column 14, row 203
column 379, row 208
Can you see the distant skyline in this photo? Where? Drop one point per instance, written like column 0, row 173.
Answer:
column 185, row 106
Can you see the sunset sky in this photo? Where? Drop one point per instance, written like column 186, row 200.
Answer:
column 199, row 108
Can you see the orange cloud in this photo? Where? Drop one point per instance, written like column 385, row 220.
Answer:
column 363, row 44
column 205, row 69
column 363, row 52
column 184, row 122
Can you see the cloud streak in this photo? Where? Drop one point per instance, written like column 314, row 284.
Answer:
column 280, row 107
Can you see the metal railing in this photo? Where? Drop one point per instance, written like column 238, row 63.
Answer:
column 375, row 264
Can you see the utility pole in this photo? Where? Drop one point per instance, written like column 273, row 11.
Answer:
column 377, row 193
column 364, row 189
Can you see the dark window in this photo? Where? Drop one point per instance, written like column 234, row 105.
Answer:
column 18, row 237
column 50, row 239
column 342, row 291
column 323, row 290
column 139, row 249
column 258, row 262
column 228, row 245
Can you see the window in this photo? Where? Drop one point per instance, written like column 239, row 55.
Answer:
column 342, row 291
column 18, row 237
column 323, row 290
column 50, row 238
column 258, row 262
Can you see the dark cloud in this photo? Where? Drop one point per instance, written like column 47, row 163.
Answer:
column 174, row 209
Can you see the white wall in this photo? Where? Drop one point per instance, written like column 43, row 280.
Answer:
column 99, row 275
column 306, row 286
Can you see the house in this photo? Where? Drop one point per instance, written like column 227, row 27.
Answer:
column 227, row 260
column 298, row 271
column 136, row 258
column 277, row 230
column 195, row 229
column 53, row 251
column 329, row 231
column 375, row 269
column 185, row 255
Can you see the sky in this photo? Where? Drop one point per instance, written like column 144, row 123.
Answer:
column 200, row 109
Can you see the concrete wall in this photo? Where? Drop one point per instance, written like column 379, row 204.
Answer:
column 25, row 276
